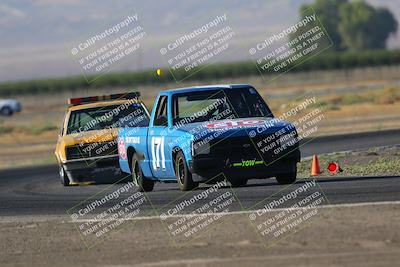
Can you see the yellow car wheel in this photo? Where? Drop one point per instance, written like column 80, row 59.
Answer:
column 64, row 177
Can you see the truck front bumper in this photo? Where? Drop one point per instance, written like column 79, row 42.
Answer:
column 98, row 169
column 208, row 167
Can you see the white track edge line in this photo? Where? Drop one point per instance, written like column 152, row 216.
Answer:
column 347, row 205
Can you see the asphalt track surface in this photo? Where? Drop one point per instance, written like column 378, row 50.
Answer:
column 37, row 191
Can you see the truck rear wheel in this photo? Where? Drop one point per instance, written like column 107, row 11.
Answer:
column 143, row 184
column 183, row 175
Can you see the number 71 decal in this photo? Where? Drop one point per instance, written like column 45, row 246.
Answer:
column 157, row 152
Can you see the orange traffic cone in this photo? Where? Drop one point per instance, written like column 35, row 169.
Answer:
column 315, row 166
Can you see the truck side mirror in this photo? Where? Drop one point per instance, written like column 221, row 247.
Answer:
column 161, row 121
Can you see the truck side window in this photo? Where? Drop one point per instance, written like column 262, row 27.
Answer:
column 71, row 123
column 161, row 112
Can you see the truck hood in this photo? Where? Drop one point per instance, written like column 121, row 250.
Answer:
column 235, row 127
column 95, row 136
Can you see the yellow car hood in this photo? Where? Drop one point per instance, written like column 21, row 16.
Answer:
column 105, row 135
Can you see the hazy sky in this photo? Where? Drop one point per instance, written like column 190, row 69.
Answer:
column 36, row 36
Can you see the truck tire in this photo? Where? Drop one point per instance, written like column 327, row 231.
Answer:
column 287, row 178
column 183, row 175
column 64, row 177
column 143, row 184
column 6, row 111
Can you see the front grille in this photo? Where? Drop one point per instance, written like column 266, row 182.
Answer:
column 238, row 148
column 234, row 148
column 91, row 150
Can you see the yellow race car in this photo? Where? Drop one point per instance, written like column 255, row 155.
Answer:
column 87, row 148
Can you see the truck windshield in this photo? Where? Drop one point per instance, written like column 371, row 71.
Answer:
column 218, row 105
column 107, row 117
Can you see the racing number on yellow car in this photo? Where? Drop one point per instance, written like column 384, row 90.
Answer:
column 157, row 152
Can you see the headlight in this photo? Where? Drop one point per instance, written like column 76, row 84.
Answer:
column 288, row 140
column 201, row 147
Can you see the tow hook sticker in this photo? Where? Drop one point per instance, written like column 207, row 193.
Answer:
column 248, row 163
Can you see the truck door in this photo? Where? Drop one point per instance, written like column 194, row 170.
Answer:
column 160, row 152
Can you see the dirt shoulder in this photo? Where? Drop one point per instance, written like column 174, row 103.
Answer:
column 361, row 235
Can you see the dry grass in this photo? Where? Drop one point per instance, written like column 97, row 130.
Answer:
column 374, row 161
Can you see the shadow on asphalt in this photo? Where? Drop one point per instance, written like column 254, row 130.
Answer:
column 348, row 178
column 273, row 182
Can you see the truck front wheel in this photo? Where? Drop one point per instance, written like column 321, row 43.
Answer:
column 183, row 175
column 143, row 184
column 287, row 178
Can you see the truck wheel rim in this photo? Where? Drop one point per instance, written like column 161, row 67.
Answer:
column 181, row 171
column 136, row 173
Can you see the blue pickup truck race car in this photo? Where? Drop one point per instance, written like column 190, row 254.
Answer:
column 197, row 134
